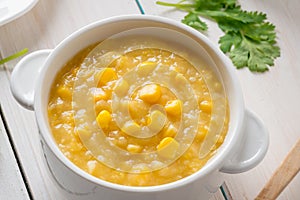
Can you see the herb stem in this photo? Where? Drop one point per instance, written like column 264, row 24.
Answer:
column 176, row 5
column 14, row 56
column 249, row 40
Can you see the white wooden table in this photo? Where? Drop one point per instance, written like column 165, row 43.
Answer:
column 274, row 95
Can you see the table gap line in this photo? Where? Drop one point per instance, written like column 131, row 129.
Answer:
column 140, row 7
column 4, row 66
column 225, row 191
column 22, row 171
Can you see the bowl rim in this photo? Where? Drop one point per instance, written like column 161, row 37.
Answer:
column 215, row 163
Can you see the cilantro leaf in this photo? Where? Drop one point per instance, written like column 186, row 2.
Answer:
column 214, row 5
column 243, row 51
column 260, row 32
column 249, row 40
column 194, row 21
column 234, row 15
column 228, row 41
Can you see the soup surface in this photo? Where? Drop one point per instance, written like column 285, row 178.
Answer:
column 157, row 120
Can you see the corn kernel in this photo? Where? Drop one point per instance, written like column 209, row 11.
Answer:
column 132, row 148
column 123, row 62
column 102, row 105
column 201, row 135
column 91, row 165
column 202, row 132
column 99, row 94
column 167, row 147
column 131, row 128
column 220, row 140
column 171, row 131
column 122, row 88
column 173, row 107
column 150, row 93
column 64, row 92
column 180, row 80
column 164, row 142
column 146, row 68
column 122, row 142
column 157, row 121
column 106, row 75
column 147, row 120
column 138, row 109
column 104, row 118
column 206, row 106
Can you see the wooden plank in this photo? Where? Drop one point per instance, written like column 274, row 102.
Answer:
column 11, row 181
column 288, row 169
column 274, row 95
column 22, row 122
column 44, row 27
column 217, row 196
column 49, row 22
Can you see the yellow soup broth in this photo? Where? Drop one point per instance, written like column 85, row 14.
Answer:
column 61, row 117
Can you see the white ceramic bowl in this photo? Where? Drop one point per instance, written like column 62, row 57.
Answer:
column 244, row 147
column 10, row 10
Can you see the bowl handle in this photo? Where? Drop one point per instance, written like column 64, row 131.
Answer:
column 252, row 149
column 24, row 77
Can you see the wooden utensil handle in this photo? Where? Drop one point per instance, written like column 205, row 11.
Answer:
column 283, row 175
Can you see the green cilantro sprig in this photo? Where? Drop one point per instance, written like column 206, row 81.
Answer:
column 249, row 40
column 14, row 56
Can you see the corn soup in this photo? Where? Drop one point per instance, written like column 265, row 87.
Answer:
column 165, row 120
